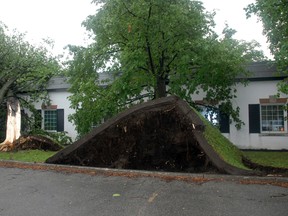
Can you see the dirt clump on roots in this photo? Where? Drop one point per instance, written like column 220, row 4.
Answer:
column 153, row 141
column 165, row 134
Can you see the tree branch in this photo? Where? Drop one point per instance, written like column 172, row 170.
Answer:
column 129, row 11
column 5, row 88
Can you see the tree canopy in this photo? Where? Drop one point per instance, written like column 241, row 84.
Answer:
column 151, row 49
column 274, row 16
column 24, row 68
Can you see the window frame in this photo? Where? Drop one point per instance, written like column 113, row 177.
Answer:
column 284, row 119
column 43, row 122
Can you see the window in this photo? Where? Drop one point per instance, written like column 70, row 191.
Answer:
column 50, row 120
column 272, row 118
column 211, row 114
column 268, row 117
column 216, row 117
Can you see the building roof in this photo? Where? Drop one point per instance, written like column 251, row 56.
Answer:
column 259, row 71
column 58, row 83
column 61, row 83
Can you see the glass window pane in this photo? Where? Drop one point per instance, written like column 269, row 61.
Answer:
column 50, row 120
column 272, row 117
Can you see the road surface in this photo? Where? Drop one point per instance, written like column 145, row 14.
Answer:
column 27, row 192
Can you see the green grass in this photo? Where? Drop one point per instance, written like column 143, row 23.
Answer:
column 224, row 148
column 27, row 156
column 232, row 155
column 268, row 158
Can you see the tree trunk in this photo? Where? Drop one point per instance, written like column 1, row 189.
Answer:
column 13, row 125
column 160, row 90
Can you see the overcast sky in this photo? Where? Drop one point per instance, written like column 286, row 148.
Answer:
column 61, row 20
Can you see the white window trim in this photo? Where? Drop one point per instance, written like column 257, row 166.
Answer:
column 273, row 132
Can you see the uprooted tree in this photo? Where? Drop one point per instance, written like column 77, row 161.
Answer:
column 152, row 49
column 162, row 134
column 24, row 70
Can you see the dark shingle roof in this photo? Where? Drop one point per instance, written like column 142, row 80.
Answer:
column 58, row 83
column 61, row 83
column 260, row 71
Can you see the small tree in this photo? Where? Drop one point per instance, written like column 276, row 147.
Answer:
column 151, row 49
column 24, row 69
column 274, row 16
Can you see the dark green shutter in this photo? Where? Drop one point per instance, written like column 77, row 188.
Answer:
column 38, row 119
column 60, row 120
column 224, row 122
column 254, row 118
column 24, row 121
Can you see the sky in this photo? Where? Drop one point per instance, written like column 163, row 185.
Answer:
column 60, row 20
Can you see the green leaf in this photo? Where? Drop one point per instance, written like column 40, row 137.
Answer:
column 152, row 49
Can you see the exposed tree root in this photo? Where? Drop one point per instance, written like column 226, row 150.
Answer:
column 163, row 135
column 30, row 142
column 6, row 146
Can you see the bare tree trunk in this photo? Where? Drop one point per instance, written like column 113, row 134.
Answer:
column 160, row 90
column 13, row 125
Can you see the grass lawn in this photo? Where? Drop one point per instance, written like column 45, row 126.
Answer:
column 268, row 158
column 27, row 156
column 224, row 148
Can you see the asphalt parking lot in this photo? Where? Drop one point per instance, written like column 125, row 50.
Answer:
column 28, row 192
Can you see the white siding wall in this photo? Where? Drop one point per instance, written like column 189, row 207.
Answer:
column 241, row 138
column 60, row 98
column 251, row 95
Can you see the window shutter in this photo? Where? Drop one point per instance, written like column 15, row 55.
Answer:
column 38, row 119
column 254, row 118
column 224, row 122
column 60, row 120
column 24, row 125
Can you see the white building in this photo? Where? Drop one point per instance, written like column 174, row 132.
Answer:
column 265, row 125
column 263, row 114
column 55, row 116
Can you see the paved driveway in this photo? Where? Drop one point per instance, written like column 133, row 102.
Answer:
column 26, row 192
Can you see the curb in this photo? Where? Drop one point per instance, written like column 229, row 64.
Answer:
column 166, row 176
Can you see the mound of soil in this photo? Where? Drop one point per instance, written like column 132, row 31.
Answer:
column 152, row 141
column 164, row 134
